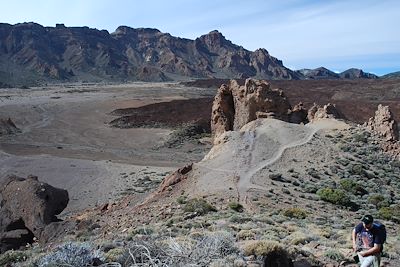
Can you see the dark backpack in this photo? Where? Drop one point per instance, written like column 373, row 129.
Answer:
column 381, row 230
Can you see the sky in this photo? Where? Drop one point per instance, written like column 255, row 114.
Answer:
column 338, row 34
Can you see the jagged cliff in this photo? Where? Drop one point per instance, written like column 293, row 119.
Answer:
column 30, row 53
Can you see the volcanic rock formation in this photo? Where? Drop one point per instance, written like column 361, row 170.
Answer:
column 235, row 105
column 327, row 111
column 384, row 124
column 8, row 127
column 27, row 207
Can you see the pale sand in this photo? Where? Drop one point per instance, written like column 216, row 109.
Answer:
column 66, row 140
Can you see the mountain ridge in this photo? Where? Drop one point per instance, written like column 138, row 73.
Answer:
column 32, row 54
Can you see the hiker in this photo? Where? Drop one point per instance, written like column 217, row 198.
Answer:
column 368, row 238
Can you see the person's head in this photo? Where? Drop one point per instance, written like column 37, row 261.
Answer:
column 367, row 221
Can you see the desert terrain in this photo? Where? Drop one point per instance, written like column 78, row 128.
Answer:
column 65, row 139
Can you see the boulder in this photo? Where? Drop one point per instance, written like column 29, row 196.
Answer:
column 8, row 127
column 328, row 111
column 175, row 177
column 384, row 124
column 236, row 105
column 28, row 206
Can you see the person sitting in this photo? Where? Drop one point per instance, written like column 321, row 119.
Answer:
column 368, row 242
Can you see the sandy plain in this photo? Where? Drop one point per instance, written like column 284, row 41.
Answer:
column 66, row 140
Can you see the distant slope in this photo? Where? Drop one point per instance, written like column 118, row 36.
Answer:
column 324, row 73
column 319, row 73
column 393, row 75
column 356, row 74
column 31, row 53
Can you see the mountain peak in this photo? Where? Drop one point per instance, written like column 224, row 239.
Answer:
column 213, row 38
column 126, row 30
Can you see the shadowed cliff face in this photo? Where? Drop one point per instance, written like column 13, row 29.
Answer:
column 31, row 52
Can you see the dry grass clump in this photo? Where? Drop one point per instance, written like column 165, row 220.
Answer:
column 246, row 235
column 262, row 248
column 298, row 238
column 295, row 212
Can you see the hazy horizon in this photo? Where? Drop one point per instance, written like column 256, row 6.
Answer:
column 337, row 35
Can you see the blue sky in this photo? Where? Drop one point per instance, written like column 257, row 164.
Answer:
column 303, row 33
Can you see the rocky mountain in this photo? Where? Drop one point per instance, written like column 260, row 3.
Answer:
column 31, row 53
column 324, row 73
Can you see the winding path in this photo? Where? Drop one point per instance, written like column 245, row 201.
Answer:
column 249, row 159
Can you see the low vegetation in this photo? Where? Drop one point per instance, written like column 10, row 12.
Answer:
column 198, row 206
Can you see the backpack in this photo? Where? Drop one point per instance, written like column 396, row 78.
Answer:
column 381, row 230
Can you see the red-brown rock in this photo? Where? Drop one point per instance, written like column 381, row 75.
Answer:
column 29, row 205
column 175, row 177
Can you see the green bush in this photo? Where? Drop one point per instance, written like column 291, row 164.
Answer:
column 295, row 213
column 378, row 200
column 181, row 200
column 200, row 206
column 235, row 206
column 352, row 186
column 390, row 213
column 335, row 196
column 360, row 137
column 357, row 169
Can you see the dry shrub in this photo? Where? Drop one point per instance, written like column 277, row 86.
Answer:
column 246, row 235
column 198, row 250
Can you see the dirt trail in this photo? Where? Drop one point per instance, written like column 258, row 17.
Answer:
column 258, row 145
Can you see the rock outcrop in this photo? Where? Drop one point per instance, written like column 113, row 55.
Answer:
column 8, row 127
column 236, row 105
column 384, row 124
column 298, row 114
column 27, row 207
column 329, row 110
